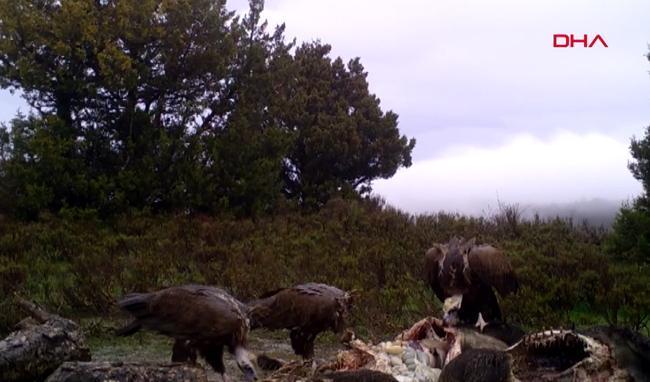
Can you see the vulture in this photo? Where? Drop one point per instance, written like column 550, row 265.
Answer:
column 306, row 310
column 462, row 276
column 478, row 365
column 202, row 319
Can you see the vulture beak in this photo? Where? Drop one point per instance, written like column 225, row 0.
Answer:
column 249, row 373
column 245, row 365
column 450, row 309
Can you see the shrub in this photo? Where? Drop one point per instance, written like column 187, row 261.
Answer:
column 77, row 264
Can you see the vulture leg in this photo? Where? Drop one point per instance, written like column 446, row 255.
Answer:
column 480, row 299
column 309, row 346
column 302, row 343
column 489, row 306
column 213, row 355
column 469, row 309
column 183, row 352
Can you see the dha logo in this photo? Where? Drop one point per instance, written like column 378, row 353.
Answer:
column 569, row 41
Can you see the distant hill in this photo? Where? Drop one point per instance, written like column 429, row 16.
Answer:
column 596, row 212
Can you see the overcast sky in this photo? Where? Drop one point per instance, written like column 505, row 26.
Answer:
column 497, row 112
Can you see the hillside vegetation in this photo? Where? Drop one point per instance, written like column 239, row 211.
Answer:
column 78, row 265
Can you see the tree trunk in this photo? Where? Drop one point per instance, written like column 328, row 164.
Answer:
column 127, row 371
column 41, row 343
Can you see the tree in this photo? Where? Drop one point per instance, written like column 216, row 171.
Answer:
column 640, row 167
column 181, row 105
column 342, row 138
column 131, row 82
column 630, row 238
column 627, row 283
column 246, row 144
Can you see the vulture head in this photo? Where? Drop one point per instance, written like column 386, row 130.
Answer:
column 243, row 358
column 342, row 312
column 450, row 309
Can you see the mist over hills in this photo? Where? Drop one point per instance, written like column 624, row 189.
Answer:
column 596, row 212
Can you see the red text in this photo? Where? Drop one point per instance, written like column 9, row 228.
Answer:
column 570, row 41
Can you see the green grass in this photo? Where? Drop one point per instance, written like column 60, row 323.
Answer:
column 106, row 346
column 585, row 316
column 139, row 347
column 146, row 346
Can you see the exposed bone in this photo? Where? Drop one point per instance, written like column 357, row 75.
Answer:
column 564, row 356
column 544, row 356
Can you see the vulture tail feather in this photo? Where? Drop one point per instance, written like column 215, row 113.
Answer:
column 128, row 329
column 136, row 304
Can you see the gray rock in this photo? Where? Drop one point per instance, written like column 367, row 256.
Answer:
column 40, row 345
column 127, row 371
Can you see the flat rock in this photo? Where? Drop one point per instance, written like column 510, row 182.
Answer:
column 41, row 344
column 127, row 371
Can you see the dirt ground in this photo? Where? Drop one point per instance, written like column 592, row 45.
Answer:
column 152, row 347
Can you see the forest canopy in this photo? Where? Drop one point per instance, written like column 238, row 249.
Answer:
column 170, row 105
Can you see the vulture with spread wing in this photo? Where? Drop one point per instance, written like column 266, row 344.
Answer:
column 200, row 318
column 306, row 310
column 463, row 274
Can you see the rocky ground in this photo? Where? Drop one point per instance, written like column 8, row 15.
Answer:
column 630, row 350
column 151, row 347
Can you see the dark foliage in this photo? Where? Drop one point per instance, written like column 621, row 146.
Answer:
column 343, row 140
column 628, row 291
column 177, row 106
column 78, row 264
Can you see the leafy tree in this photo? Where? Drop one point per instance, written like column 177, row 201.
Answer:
column 38, row 172
column 626, row 296
column 343, row 140
column 640, row 167
column 129, row 79
column 246, row 145
column 631, row 234
column 630, row 238
column 181, row 105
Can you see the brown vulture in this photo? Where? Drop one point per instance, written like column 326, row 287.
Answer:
column 478, row 365
column 306, row 310
column 200, row 318
column 463, row 274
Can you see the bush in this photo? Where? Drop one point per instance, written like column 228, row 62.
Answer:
column 76, row 264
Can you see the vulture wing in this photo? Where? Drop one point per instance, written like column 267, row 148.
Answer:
column 432, row 260
column 307, row 305
column 192, row 312
column 492, row 267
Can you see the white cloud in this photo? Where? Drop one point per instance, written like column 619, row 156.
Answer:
column 494, row 107
column 525, row 170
